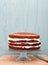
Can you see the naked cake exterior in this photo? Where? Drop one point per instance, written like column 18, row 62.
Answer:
column 24, row 41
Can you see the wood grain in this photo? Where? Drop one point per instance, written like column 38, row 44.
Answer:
column 11, row 60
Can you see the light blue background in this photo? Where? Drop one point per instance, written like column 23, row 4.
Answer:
column 23, row 15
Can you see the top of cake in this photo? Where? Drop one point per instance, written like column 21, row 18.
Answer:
column 24, row 35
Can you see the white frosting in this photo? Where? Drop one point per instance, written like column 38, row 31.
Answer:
column 24, row 43
column 25, row 46
column 17, row 39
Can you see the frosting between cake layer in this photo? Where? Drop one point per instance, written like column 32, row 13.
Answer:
column 24, row 43
column 17, row 39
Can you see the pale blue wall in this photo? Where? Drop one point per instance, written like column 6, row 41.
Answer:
column 24, row 15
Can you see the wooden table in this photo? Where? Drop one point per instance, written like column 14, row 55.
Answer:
column 10, row 60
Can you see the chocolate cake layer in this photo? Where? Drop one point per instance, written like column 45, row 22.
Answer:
column 23, row 41
column 24, row 35
column 25, row 44
column 15, row 48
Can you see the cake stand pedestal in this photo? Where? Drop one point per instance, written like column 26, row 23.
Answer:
column 23, row 57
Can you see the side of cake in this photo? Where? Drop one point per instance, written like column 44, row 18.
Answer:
column 24, row 41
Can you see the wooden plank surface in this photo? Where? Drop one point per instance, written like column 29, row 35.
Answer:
column 10, row 60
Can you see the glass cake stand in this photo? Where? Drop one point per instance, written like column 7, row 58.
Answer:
column 23, row 55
